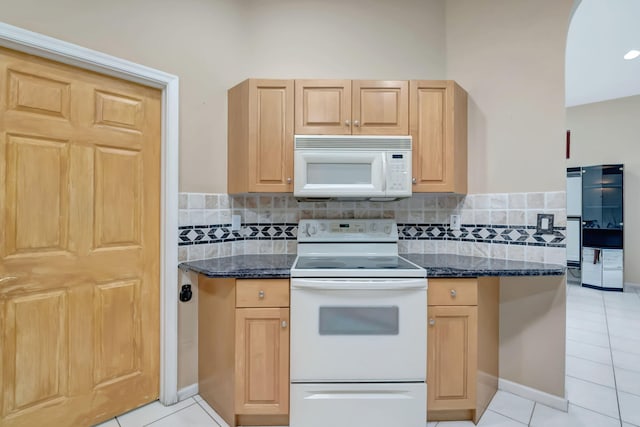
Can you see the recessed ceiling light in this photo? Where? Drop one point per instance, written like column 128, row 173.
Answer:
column 632, row 54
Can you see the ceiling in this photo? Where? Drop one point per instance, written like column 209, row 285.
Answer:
column 600, row 33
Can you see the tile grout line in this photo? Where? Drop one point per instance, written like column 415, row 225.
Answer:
column 582, row 342
column 589, row 381
column 504, row 415
column 590, row 360
column 175, row 412
column 207, row 412
column 532, row 411
column 613, row 368
column 595, row 412
column 615, row 383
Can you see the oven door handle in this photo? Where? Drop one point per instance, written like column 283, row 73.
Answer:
column 354, row 284
column 359, row 395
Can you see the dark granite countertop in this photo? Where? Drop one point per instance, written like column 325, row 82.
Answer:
column 446, row 265
column 244, row 266
column 441, row 265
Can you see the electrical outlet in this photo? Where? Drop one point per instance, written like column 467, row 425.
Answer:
column 545, row 224
column 236, row 222
column 455, row 222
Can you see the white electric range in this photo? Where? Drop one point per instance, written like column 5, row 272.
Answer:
column 358, row 328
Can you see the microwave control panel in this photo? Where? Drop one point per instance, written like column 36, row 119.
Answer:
column 398, row 172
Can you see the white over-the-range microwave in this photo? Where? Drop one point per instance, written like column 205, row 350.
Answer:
column 352, row 167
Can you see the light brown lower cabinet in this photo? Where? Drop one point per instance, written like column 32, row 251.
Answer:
column 243, row 349
column 462, row 347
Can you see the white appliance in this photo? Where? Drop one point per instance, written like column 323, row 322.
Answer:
column 574, row 216
column 603, row 268
column 353, row 166
column 574, row 191
column 358, row 328
column 573, row 241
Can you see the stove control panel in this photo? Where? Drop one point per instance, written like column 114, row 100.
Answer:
column 347, row 230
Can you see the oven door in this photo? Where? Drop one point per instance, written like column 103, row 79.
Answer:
column 339, row 174
column 358, row 330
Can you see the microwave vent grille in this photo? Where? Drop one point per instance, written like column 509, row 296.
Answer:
column 352, row 143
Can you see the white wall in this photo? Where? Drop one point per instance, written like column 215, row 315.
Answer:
column 607, row 133
column 532, row 332
column 201, row 41
column 509, row 56
column 356, row 39
column 214, row 44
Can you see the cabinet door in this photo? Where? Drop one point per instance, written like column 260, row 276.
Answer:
column 380, row 107
column 438, row 126
column 452, row 357
column 323, row 107
column 270, row 156
column 262, row 361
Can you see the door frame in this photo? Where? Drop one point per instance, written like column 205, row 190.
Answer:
column 47, row 47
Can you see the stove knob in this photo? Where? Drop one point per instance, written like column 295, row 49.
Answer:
column 373, row 227
column 387, row 229
column 323, row 226
column 311, row 230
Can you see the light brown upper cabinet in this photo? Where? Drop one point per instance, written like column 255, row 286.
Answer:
column 438, row 126
column 351, row 107
column 260, row 137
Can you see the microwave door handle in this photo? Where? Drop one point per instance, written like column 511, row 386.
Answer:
column 384, row 172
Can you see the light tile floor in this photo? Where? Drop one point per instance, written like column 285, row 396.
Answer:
column 602, row 382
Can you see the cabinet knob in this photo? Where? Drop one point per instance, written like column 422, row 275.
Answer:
column 284, row 324
column 288, row 180
column 414, row 180
column 356, row 123
column 432, row 322
column 453, row 293
column 347, row 123
column 261, row 294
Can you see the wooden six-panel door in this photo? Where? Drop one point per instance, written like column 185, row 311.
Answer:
column 79, row 244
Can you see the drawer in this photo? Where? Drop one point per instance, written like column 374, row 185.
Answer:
column 262, row 293
column 453, row 292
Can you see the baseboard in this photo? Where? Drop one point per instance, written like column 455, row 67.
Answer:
column 632, row 286
column 534, row 394
column 187, row 392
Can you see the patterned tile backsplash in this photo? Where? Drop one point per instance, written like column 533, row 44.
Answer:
column 502, row 225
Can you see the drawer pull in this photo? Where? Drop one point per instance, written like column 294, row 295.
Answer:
column 284, row 324
column 261, row 294
column 453, row 293
column 432, row 322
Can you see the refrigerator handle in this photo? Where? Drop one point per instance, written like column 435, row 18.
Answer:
column 596, row 256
